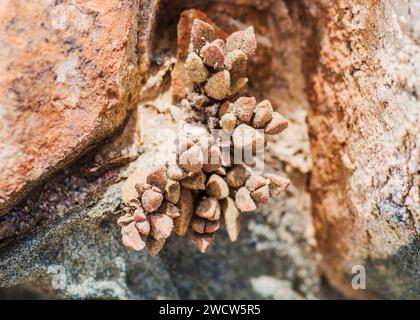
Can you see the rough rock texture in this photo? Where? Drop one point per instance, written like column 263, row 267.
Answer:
column 70, row 70
column 365, row 134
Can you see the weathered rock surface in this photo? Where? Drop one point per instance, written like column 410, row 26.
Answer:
column 70, row 71
column 355, row 65
column 364, row 73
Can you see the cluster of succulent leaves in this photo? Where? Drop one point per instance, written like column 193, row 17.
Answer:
column 202, row 187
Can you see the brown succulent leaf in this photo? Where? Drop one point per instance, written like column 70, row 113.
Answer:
column 218, row 85
column 175, row 172
column 234, row 41
column 151, row 200
column 263, row 114
column 217, row 187
column 236, row 176
column 214, row 159
column 208, row 208
column 212, row 226
column 131, row 238
column 261, row 195
column 158, row 177
column 213, row 55
column 228, row 122
column 238, row 85
column 192, row 159
column 244, row 108
column 276, row 125
column 172, row 191
column 247, row 138
column 202, row 241
column 236, row 62
column 169, row 209
column 154, row 246
column 244, row 201
column 225, row 108
column 143, row 227
column 231, row 216
column 277, row 183
column 186, row 208
column 125, row 220
column 201, row 32
column 255, row 182
column 142, row 187
column 198, row 225
column 194, row 181
column 196, row 69
column 249, row 44
column 161, row 226
column 134, row 203
column 139, row 215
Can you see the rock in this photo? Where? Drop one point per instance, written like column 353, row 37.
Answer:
column 365, row 198
column 81, row 64
column 217, row 187
column 244, row 201
column 185, row 205
column 231, row 217
column 217, row 87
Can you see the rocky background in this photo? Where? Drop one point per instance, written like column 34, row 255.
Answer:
column 85, row 100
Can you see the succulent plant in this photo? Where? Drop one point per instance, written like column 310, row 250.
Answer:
column 201, row 187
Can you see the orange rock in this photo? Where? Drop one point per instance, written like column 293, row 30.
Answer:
column 69, row 74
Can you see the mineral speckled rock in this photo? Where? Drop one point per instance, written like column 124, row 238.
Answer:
column 77, row 96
